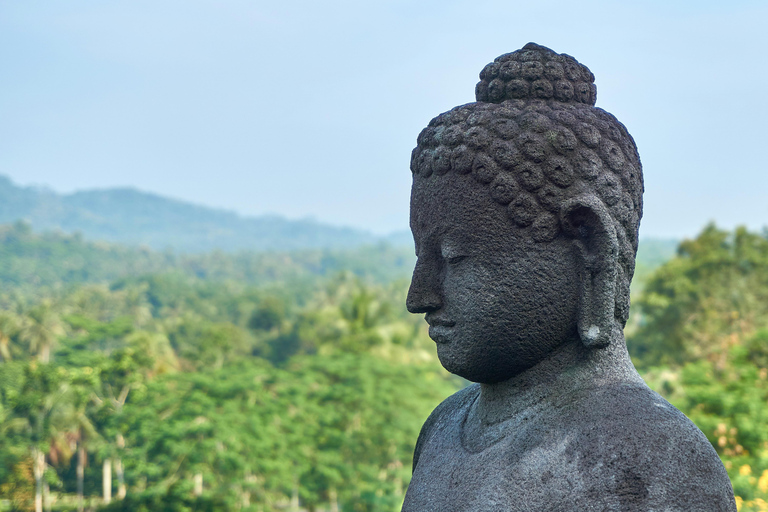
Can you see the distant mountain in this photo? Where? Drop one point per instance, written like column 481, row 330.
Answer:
column 129, row 216
column 651, row 253
column 32, row 261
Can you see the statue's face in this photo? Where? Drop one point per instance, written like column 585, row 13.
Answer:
column 496, row 301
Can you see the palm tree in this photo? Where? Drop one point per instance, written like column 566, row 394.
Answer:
column 9, row 327
column 146, row 354
column 41, row 329
column 78, row 437
column 37, row 414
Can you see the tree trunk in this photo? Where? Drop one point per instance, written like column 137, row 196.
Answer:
column 120, row 478
column 45, row 353
column 198, row 484
column 80, row 476
column 38, row 465
column 295, row 498
column 333, row 497
column 46, row 497
column 121, row 491
column 5, row 350
column 106, row 481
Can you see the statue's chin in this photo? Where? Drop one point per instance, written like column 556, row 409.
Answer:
column 483, row 372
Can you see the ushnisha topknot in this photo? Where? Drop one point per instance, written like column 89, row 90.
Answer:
column 535, row 139
column 536, row 72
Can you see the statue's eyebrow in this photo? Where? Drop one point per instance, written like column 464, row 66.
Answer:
column 456, row 243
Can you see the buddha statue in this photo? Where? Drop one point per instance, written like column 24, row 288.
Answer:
column 525, row 210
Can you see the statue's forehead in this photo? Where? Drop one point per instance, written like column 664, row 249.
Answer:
column 445, row 198
column 456, row 205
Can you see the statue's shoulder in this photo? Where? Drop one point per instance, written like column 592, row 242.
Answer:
column 630, row 437
column 632, row 410
column 448, row 411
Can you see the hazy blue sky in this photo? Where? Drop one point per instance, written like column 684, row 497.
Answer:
column 306, row 108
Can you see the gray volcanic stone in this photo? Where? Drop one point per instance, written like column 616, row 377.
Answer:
column 525, row 210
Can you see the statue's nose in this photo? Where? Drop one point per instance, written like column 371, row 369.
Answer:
column 424, row 295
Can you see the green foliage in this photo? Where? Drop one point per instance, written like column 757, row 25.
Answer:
column 18, row 482
column 314, row 388
column 30, row 260
column 267, row 315
column 714, row 291
column 250, row 381
column 175, row 499
column 33, row 262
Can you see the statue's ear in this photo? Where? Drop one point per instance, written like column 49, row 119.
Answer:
column 586, row 219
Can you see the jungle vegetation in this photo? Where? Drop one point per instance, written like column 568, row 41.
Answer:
column 137, row 380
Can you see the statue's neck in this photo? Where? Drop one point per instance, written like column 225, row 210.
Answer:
column 569, row 369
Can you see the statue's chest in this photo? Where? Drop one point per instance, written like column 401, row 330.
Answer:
column 525, row 470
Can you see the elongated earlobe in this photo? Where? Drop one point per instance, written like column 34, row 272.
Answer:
column 587, row 221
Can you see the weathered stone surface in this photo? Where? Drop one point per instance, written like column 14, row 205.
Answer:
column 525, row 210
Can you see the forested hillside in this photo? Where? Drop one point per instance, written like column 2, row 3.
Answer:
column 192, row 393
column 218, row 381
column 288, row 381
column 132, row 217
column 33, row 260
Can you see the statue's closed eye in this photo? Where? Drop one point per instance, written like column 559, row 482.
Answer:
column 452, row 260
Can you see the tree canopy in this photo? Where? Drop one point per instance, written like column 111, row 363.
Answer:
column 261, row 382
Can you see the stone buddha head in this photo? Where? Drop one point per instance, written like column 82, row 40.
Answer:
column 525, row 210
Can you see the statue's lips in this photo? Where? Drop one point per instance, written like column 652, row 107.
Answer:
column 435, row 319
column 440, row 328
column 440, row 333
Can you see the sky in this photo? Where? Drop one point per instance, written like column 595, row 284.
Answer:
column 311, row 109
